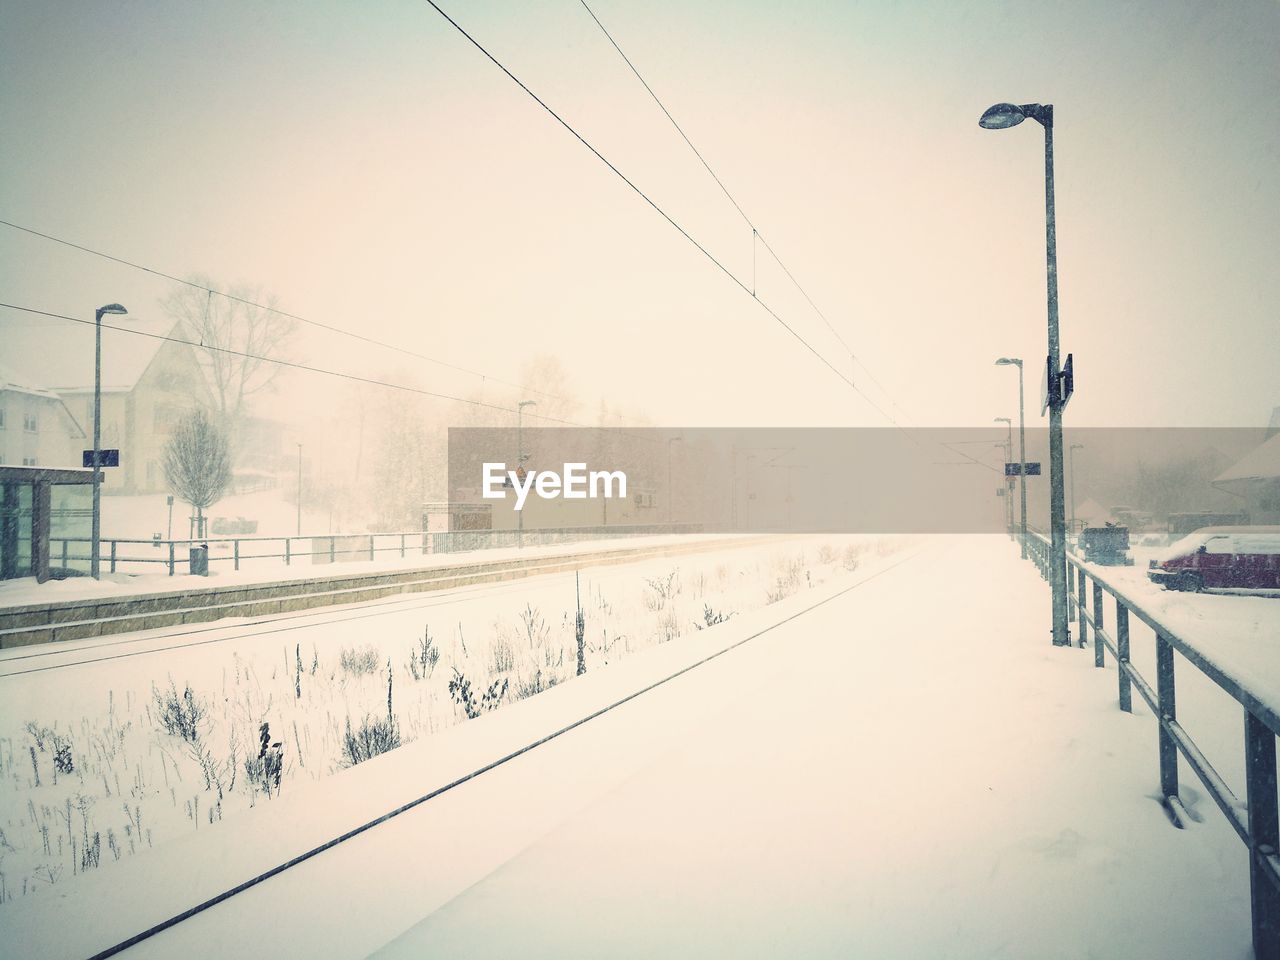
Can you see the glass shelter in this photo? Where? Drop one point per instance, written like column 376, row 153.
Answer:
column 45, row 520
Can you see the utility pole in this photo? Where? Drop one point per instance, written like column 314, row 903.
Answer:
column 520, row 462
column 999, row 117
column 299, row 531
column 670, row 492
column 1072, row 451
column 1008, row 480
column 95, row 550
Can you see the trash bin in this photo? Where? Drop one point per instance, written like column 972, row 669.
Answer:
column 200, row 560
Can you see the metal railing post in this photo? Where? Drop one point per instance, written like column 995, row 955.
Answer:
column 171, row 558
column 235, row 548
column 402, row 546
column 1168, row 711
column 373, row 539
column 1082, row 605
column 64, row 555
column 113, row 556
column 333, row 543
column 1264, row 834
column 1122, row 654
column 287, row 553
column 1099, row 650
column 1073, row 605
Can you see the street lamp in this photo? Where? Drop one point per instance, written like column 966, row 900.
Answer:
column 299, row 489
column 1008, row 480
column 520, row 462
column 670, row 495
column 1022, row 447
column 1072, row 454
column 95, row 551
column 999, row 117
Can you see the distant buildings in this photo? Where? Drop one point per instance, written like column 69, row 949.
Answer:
column 148, row 382
column 36, row 427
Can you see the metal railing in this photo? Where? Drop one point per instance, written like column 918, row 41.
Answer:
column 176, row 555
column 1256, row 820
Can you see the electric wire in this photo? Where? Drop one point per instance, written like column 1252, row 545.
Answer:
column 755, row 232
column 659, row 210
column 269, row 308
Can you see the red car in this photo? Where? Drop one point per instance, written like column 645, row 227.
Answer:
column 1222, row 558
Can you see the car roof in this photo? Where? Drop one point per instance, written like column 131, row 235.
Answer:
column 1246, row 529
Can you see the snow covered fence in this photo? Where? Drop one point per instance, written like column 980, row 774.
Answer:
column 1256, row 819
column 135, row 556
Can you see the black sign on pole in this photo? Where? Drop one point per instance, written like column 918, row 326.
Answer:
column 1015, row 469
column 1067, row 381
column 106, row 458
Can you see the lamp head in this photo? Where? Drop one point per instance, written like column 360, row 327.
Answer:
column 111, row 308
column 528, row 403
column 1008, row 361
column 1000, row 116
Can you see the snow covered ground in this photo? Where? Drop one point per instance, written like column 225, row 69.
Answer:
column 25, row 591
column 907, row 770
column 162, row 731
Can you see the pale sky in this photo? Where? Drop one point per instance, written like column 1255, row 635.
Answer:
column 374, row 171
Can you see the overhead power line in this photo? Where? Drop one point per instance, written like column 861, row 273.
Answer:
column 292, row 316
column 294, row 365
column 755, row 231
column 658, row 209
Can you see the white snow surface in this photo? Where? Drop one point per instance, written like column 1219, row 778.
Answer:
column 908, row 770
column 24, row 591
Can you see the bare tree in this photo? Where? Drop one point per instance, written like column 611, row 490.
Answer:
column 229, row 328
column 197, row 463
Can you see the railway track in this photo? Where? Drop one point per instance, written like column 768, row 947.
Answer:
column 97, row 617
column 179, row 916
column 23, row 661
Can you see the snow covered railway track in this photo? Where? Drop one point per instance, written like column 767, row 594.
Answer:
column 512, row 748
column 85, row 619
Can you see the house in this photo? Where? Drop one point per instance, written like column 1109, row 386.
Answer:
column 1255, row 478
column 147, row 384
column 36, row 428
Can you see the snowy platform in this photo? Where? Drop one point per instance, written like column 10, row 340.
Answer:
column 909, row 770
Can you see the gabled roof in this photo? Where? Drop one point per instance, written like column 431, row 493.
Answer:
column 10, row 381
column 1261, row 463
column 58, row 355
column 15, row 382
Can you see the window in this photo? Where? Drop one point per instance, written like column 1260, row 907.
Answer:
column 163, row 417
column 30, row 422
column 1, row 418
column 28, row 461
column 1218, row 545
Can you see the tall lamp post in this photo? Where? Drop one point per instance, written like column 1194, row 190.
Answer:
column 670, row 495
column 1072, row 455
column 95, row 551
column 299, row 489
column 520, row 462
column 999, row 117
column 1022, row 449
column 1008, row 481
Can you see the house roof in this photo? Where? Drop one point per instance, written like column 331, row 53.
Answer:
column 58, row 356
column 1261, row 463
column 11, row 381
column 17, row 383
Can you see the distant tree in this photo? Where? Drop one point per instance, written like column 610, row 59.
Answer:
column 197, row 463
column 228, row 328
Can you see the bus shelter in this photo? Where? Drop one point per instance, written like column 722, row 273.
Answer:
column 38, row 505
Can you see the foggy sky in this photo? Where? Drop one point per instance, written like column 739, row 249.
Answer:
column 374, row 171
